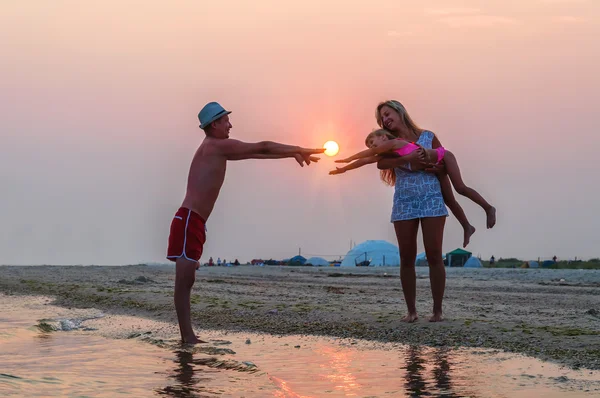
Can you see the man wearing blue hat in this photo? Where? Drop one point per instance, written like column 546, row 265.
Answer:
column 206, row 176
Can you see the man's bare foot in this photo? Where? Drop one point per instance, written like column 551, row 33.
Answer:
column 410, row 318
column 491, row 217
column 193, row 340
column 468, row 232
column 436, row 317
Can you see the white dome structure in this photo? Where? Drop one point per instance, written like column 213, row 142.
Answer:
column 376, row 252
column 317, row 262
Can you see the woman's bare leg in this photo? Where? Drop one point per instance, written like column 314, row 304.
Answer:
column 406, row 233
column 456, row 209
column 433, row 236
column 454, row 173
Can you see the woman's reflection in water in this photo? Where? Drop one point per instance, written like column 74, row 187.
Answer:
column 417, row 384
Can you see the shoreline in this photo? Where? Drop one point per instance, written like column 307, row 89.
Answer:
column 547, row 314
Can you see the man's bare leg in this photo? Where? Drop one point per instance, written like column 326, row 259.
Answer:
column 185, row 276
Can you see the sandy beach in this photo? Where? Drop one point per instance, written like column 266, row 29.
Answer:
column 548, row 314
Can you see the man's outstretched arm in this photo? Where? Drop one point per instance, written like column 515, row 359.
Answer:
column 239, row 150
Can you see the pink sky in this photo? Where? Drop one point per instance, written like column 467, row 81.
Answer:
column 100, row 102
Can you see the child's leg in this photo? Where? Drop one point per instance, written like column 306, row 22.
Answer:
column 456, row 209
column 454, row 173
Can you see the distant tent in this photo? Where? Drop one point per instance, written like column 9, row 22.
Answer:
column 458, row 257
column 297, row 260
column 317, row 262
column 421, row 260
column 473, row 262
column 372, row 253
column 548, row 263
column 533, row 264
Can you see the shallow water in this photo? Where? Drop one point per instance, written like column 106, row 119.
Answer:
column 82, row 362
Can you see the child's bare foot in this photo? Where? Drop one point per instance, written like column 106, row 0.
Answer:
column 410, row 318
column 436, row 317
column 193, row 340
column 491, row 217
column 468, row 232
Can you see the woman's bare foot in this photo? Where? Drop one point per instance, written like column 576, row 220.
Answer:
column 491, row 217
column 193, row 340
column 410, row 318
column 468, row 232
column 436, row 317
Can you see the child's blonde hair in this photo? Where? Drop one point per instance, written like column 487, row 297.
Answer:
column 378, row 133
column 387, row 176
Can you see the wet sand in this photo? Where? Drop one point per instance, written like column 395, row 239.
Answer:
column 73, row 352
column 548, row 314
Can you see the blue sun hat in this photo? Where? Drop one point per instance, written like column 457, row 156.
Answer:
column 211, row 112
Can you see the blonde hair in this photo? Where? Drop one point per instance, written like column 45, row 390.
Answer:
column 378, row 133
column 388, row 176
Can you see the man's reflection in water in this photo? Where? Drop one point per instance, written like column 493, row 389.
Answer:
column 186, row 384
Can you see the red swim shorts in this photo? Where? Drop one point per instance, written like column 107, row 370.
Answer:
column 187, row 237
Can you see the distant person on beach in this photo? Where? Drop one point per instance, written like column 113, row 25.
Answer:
column 383, row 143
column 206, row 176
column 492, row 260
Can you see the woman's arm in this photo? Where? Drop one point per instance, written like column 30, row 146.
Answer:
column 401, row 161
column 355, row 165
column 439, row 169
column 367, row 153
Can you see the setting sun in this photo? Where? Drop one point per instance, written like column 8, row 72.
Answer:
column 331, row 148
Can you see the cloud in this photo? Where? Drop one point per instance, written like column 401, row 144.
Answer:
column 453, row 11
column 395, row 33
column 569, row 19
column 460, row 21
column 562, row 1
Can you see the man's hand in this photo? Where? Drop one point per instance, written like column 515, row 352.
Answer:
column 338, row 170
column 311, row 151
column 302, row 158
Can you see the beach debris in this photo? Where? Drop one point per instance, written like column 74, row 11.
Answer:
column 137, row 281
column 296, row 346
column 62, row 325
column 227, row 364
column 333, row 289
column 272, row 311
column 248, row 341
column 220, row 342
column 593, row 312
column 215, row 351
column 136, row 335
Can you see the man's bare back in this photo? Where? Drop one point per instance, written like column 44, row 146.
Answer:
column 205, row 179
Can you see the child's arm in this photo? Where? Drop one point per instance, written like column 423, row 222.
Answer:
column 385, row 147
column 355, row 165
column 384, row 163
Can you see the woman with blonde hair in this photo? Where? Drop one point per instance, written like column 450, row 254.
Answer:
column 418, row 200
